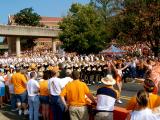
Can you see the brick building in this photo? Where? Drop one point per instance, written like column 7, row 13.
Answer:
column 41, row 43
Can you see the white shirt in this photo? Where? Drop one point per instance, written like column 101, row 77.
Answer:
column 11, row 88
column 32, row 87
column 10, row 85
column 65, row 81
column 2, row 81
column 133, row 64
column 55, row 86
column 106, row 98
column 145, row 114
column 105, row 103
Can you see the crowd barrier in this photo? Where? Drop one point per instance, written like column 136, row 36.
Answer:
column 118, row 114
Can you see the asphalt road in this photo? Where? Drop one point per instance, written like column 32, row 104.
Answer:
column 128, row 90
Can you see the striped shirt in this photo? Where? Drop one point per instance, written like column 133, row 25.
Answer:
column 106, row 98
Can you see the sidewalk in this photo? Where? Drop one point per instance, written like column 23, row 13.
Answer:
column 3, row 117
column 6, row 114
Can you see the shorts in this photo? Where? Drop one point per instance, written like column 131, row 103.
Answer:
column 22, row 98
column 44, row 99
column 2, row 91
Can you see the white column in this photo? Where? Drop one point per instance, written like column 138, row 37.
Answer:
column 53, row 45
column 9, row 45
column 18, row 46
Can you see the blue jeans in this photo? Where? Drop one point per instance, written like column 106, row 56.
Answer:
column 34, row 104
column 133, row 72
column 58, row 107
column 2, row 91
column 13, row 101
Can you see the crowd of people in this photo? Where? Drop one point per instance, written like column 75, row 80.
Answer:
column 39, row 82
column 141, row 49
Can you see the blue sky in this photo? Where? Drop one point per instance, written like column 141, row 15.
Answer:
column 53, row 8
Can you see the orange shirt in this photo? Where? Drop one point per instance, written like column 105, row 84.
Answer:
column 75, row 92
column 44, row 88
column 154, row 101
column 19, row 82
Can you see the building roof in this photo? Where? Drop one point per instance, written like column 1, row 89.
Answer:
column 44, row 19
column 52, row 19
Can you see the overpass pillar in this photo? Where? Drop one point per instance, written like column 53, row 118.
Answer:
column 18, row 46
column 54, row 45
column 9, row 45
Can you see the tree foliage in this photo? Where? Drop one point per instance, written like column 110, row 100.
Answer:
column 107, row 8
column 83, row 30
column 140, row 21
column 28, row 43
column 88, row 28
column 27, row 17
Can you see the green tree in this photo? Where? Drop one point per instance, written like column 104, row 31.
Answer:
column 28, row 43
column 140, row 22
column 83, row 30
column 107, row 8
column 27, row 17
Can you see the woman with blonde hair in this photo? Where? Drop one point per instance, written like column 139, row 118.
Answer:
column 141, row 111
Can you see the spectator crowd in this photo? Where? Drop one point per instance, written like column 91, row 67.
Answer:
column 52, row 84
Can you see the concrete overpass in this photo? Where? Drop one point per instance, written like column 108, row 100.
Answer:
column 21, row 31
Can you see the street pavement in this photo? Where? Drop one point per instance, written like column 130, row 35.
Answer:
column 129, row 89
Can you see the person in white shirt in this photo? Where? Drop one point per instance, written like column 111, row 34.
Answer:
column 67, row 79
column 133, row 69
column 11, row 91
column 33, row 69
column 142, row 112
column 33, row 98
column 2, row 89
column 106, row 98
column 55, row 88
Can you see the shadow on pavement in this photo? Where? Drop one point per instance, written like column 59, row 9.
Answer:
column 6, row 114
